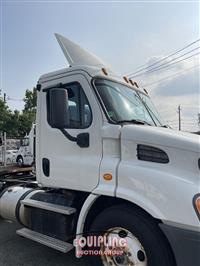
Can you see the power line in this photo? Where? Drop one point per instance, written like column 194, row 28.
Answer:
column 179, row 117
column 189, row 119
column 168, row 65
column 187, row 104
column 185, row 119
column 161, row 60
column 194, row 107
column 173, row 59
column 168, row 77
column 13, row 99
column 190, row 123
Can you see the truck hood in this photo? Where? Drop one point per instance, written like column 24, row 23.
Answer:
column 162, row 137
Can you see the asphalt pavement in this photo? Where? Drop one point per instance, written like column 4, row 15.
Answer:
column 17, row 251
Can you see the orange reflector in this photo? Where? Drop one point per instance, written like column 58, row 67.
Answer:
column 107, row 177
column 132, row 83
column 104, row 71
column 126, row 79
column 135, row 83
column 197, row 203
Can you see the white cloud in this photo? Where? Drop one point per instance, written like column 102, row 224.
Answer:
column 179, row 85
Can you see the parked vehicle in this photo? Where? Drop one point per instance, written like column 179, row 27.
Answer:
column 10, row 156
column 25, row 154
column 106, row 165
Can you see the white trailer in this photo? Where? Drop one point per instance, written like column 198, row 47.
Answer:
column 106, row 165
column 25, row 154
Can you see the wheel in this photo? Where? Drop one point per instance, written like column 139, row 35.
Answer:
column 20, row 161
column 145, row 243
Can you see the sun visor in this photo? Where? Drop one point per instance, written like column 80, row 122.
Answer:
column 76, row 55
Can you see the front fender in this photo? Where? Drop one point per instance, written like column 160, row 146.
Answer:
column 163, row 195
column 82, row 218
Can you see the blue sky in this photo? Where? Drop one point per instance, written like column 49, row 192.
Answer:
column 124, row 34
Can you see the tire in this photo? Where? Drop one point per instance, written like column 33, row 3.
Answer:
column 20, row 161
column 147, row 243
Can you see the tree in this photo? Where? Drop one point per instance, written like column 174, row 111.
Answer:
column 28, row 116
column 26, row 120
column 12, row 124
column 5, row 114
column 18, row 124
column 30, row 100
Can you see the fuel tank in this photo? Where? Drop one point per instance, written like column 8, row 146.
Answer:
column 10, row 206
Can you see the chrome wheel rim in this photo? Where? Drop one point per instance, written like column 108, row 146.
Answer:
column 133, row 254
column 20, row 162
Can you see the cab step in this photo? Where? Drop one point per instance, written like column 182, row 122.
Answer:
column 48, row 206
column 45, row 240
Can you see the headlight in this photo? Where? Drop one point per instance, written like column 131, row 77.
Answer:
column 196, row 204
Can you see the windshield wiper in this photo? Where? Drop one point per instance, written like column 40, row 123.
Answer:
column 166, row 126
column 134, row 121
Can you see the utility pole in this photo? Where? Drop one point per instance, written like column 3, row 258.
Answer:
column 4, row 148
column 4, row 97
column 179, row 117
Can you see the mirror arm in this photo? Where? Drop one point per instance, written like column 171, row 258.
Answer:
column 82, row 139
column 67, row 135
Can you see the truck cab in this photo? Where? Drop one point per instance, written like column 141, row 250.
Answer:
column 107, row 165
column 25, row 154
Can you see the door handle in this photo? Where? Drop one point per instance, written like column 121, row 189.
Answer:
column 46, row 166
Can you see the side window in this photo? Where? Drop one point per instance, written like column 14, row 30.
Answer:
column 79, row 110
column 80, row 115
column 24, row 142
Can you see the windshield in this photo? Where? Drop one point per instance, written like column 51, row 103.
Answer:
column 25, row 142
column 124, row 104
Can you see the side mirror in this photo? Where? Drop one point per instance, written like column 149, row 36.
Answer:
column 58, row 108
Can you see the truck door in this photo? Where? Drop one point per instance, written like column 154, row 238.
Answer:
column 62, row 163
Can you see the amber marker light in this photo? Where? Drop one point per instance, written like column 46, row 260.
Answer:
column 196, row 204
column 126, row 79
column 135, row 83
column 104, row 71
column 107, row 177
column 132, row 83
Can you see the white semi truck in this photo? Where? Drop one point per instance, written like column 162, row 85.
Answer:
column 25, row 154
column 106, row 165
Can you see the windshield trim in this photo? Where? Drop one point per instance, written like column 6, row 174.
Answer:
column 120, row 82
column 100, row 100
column 151, row 113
